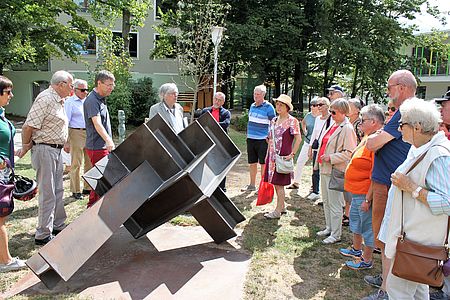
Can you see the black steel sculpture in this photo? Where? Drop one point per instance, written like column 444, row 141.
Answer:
column 153, row 176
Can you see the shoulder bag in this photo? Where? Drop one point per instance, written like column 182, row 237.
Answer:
column 417, row 262
column 315, row 143
column 283, row 166
column 337, row 176
column 6, row 190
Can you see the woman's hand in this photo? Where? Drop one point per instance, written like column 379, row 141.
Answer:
column 403, row 182
column 325, row 157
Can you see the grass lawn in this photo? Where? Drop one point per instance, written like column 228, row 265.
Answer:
column 288, row 261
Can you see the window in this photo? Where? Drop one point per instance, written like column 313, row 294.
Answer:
column 421, row 92
column 164, row 5
column 82, row 4
column 133, row 42
column 430, row 64
column 89, row 46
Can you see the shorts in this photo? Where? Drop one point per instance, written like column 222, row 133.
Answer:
column 256, row 151
column 361, row 221
column 379, row 200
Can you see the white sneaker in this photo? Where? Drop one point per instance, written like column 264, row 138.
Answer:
column 324, row 232
column 313, row 197
column 15, row 264
column 330, row 240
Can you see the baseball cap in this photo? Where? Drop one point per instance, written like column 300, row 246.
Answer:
column 446, row 97
column 336, row 88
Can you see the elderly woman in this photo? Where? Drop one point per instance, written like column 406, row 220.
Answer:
column 321, row 124
column 307, row 127
column 284, row 139
column 420, row 194
column 335, row 152
column 7, row 131
column 168, row 108
column 357, row 182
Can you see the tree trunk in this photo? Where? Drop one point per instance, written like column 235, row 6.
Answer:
column 277, row 82
column 354, row 83
column 126, row 28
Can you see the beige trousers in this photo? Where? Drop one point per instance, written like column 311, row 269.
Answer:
column 333, row 201
column 77, row 140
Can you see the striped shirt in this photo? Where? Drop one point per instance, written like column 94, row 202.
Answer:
column 259, row 119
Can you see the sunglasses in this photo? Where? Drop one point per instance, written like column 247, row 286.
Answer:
column 82, row 90
column 333, row 112
column 9, row 92
column 401, row 124
column 393, row 109
column 318, row 105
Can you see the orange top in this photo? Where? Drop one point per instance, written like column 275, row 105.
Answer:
column 359, row 170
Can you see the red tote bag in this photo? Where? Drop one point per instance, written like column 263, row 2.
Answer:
column 265, row 192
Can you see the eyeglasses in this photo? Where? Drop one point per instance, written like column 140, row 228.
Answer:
column 401, row 124
column 393, row 109
column 333, row 112
column 82, row 90
column 318, row 105
column 364, row 120
column 9, row 92
column 392, row 85
column 111, row 85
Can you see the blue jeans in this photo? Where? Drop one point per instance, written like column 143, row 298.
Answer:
column 361, row 221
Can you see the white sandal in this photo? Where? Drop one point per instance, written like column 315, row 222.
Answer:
column 272, row 215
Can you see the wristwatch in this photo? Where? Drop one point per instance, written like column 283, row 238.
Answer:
column 416, row 192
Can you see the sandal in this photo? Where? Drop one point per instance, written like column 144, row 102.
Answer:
column 272, row 215
column 345, row 221
column 292, row 186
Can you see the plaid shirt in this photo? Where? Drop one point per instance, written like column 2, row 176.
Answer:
column 47, row 115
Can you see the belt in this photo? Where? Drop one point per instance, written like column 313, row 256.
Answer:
column 57, row 146
column 77, row 128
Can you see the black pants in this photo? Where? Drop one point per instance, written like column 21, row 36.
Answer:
column 315, row 175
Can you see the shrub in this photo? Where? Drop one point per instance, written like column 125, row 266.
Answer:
column 120, row 98
column 143, row 96
column 242, row 121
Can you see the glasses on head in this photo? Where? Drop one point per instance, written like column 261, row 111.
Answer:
column 401, row 124
column 393, row 109
column 82, row 90
column 333, row 112
column 9, row 92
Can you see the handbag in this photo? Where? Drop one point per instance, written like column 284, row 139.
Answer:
column 6, row 192
column 315, row 143
column 337, row 177
column 282, row 166
column 265, row 192
column 417, row 262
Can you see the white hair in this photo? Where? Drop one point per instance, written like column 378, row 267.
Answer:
column 167, row 88
column 77, row 82
column 61, row 76
column 374, row 112
column 417, row 111
column 261, row 88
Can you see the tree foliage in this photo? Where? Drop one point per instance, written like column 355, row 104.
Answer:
column 31, row 31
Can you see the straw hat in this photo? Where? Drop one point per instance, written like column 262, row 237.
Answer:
column 286, row 100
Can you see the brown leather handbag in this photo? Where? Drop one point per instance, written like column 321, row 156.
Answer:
column 417, row 262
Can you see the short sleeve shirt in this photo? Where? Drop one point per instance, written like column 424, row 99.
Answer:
column 5, row 135
column 259, row 119
column 392, row 154
column 48, row 116
column 310, row 120
column 94, row 105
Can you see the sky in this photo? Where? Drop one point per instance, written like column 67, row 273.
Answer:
column 426, row 22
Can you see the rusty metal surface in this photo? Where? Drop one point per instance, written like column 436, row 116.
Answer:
column 153, row 176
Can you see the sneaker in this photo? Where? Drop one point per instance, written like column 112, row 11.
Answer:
column 86, row 192
column 272, row 215
column 330, row 240
column 41, row 242
column 313, row 197
column 378, row 295
column 438, row 295
column 350, row 252
column 248, row 188
column 14, row 264
column 77, row 196
column 359, row 264
column 324, row 232
column 377, row 250
column 375, row 281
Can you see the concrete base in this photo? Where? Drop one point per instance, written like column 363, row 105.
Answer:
column 171, row 262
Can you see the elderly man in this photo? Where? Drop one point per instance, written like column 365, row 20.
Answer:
column 390, row 152
column 77, row 137
column 168, row 108
column 98, row 124
column 45, row 133
column 259, row 116
column 334, row 92
column 222, row 116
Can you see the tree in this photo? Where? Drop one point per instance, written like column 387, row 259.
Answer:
column 31, row 31
column 190, row 27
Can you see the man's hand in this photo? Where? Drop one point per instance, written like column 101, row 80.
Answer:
column 365, row 206
column 25, row 147
column 110, row 145
column 67, row 147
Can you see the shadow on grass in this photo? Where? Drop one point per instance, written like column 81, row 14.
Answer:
column 26, row 211
column 244, row 200
column 259, row 233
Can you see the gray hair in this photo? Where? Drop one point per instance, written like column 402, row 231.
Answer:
column 324, row 100
column 313, row 101
column 104, row 75
column 61, row 76
column 261, row 88
column 341, row 105
column 167, row 88
column 405, row 78
column 417, row 111
column 356, row 102
column 221, row 95
column 374, row 112
column 77, row 82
